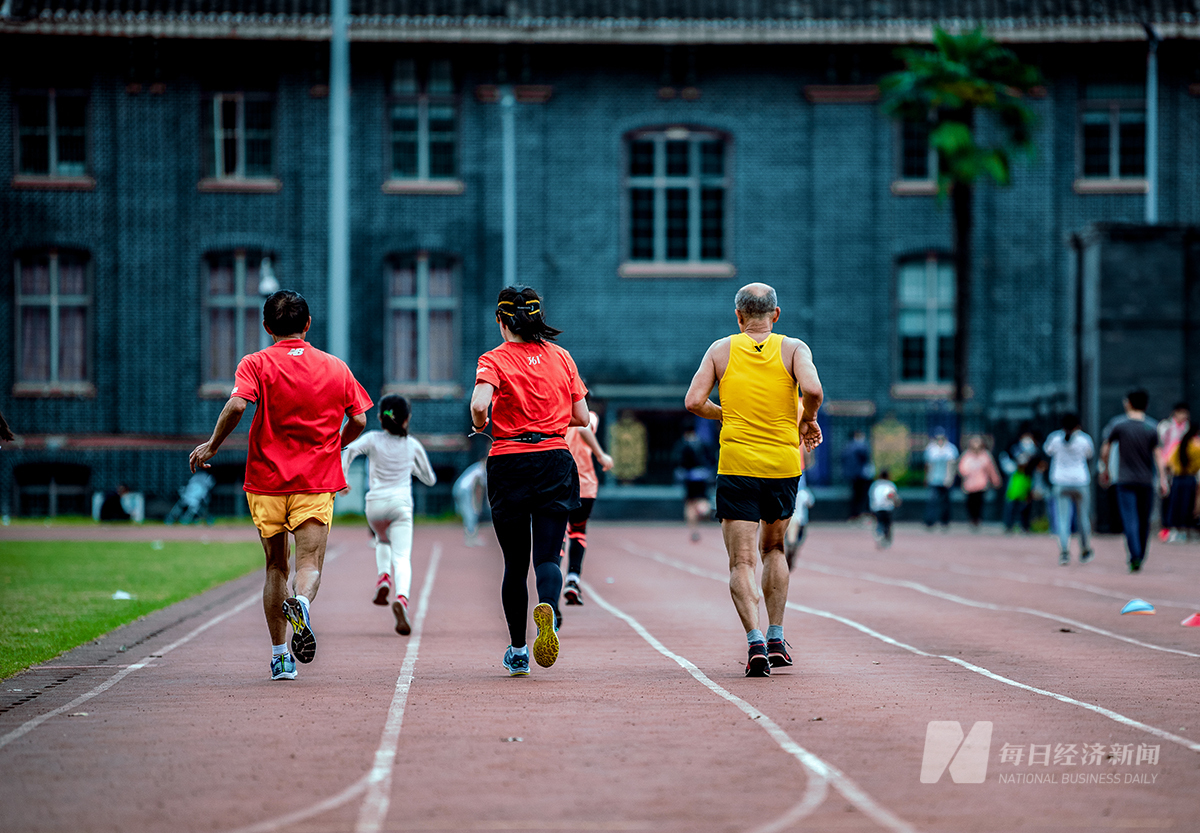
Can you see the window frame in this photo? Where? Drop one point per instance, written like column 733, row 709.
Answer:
column 213, row 177
column 53, row 178
column 239, row 301
column 931, row 382
column 660, row 182
column 906, row 186
column 421, row 303
column 1114, row 182
column 423, row 182
column 54, row 303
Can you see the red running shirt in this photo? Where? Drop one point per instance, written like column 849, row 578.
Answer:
column 295, row 438
column 536, row 387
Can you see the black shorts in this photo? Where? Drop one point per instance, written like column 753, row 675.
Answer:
column 766, row 499
column 520, row 485
column 696, row 489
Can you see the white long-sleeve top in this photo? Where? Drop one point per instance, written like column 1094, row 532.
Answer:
column 1069, row 458
column 394, row 460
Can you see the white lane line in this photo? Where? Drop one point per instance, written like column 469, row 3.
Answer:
column 1058, row 582
column 962, row 600
column 820, row 772
column 379, row 780
column 333, row 802
column 30, row 725
column 1101, row 710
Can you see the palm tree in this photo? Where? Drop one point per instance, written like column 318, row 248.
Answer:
column 944, row 87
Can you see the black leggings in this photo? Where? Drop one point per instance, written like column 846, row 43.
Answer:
column 539, row 535
column 577, row 530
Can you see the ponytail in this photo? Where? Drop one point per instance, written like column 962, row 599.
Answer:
column 520, row 308
column 393, row 414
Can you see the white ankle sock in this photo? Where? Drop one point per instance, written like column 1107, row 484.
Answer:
column 522, row 651
column 278, row 650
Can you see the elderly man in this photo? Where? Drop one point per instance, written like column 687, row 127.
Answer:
column 763, row 427
column 294, row 462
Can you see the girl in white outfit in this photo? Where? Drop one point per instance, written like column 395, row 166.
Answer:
column 394, row 457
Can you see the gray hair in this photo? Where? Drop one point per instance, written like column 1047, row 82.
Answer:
column 752, row 304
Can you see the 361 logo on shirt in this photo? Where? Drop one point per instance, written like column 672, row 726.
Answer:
column 296, row 351
column 535, row 359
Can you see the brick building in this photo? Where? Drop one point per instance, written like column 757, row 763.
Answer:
column 159, row 160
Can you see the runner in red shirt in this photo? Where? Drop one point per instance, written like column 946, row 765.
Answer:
column 535, row 394
column 293, row 466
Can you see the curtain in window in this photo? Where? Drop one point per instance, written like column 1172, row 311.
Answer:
column 35, row 344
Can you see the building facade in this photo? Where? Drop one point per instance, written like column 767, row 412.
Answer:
column 161, row 168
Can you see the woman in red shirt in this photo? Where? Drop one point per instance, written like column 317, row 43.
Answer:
column 535, row 394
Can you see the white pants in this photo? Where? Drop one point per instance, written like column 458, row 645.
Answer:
column 392, row 520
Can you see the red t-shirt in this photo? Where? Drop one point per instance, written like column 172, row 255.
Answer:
column 536, row 386
column 295, row 438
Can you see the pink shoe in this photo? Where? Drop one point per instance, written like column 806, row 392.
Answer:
column 383, row 589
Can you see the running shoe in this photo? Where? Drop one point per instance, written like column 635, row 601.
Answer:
column 1085, row 556
column 304, row 643
column 400, row 610
column 777, row 652
column 283, row 667
column 517, row 664
column 383, row 589
column 545, row 647
column 1064, row 558
column 572, row 594
column 757, row 663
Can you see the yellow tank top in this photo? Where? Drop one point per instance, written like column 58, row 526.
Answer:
column 759, row 408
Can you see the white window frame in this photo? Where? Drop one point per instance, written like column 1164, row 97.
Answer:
column 54, row 301
column 1114, row 108
column 422, row 304
column 221, row 131
column 694, row 265
column 243, row 299
column 423, row 100
column 52, row 96
column 931, row 308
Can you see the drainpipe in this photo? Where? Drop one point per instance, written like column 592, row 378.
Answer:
column 509, row 164
column 339, row 184
column 1151, row 126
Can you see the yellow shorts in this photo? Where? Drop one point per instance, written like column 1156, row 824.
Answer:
column 272, row 514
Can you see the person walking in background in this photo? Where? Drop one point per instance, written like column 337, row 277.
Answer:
column 293, row 462
column 1183, row 465
column 978, row 472
column 1017, row 464
column 1069, row 450
column 763, row 425
column 858, row 471
column 582, row 443
column 394, row 457
column 469, row 490
column 534, row 391
column 693, row 466
column 884, row 498
column 940, row 456
column 1170, row 432
column 1135, row 439
column 794, row 536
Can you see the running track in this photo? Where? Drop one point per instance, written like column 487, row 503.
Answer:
column 645, row 722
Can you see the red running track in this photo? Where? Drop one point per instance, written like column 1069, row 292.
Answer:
column 645, row 722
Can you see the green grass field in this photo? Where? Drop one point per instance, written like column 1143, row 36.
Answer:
column 55, row 595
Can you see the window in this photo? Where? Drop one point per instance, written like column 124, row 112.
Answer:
column 926, row 320
column 918, row 159
column 53, row 321
column 423, row 121
column 52, row 133
column 677, row 181
column 238, row 132
column 422, row 311
column 1112, row 131
column 232, row 315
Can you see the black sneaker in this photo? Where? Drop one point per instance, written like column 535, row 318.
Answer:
column 1085, row 556
column 304, row 643
column 571, row 593
column 757, row 663
column 777, row 653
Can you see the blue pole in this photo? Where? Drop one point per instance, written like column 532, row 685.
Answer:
column 339, row 183
column 1152, row 128
column 509, row 163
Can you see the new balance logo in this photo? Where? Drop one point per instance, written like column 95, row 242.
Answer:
column 945, row 748
column 296, row 351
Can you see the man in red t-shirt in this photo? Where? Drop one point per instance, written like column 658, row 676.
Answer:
column 293, row 466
